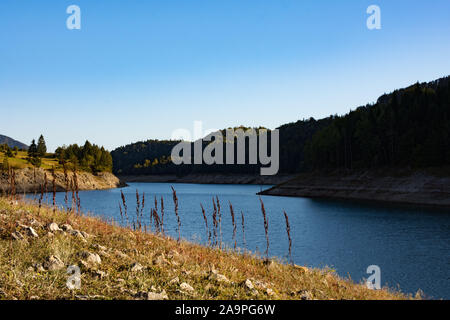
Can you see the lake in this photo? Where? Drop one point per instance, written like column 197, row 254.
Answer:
column 410, row 245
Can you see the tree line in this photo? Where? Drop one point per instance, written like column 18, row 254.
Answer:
column 88, row 157
column 154, row 156
column 408, row 127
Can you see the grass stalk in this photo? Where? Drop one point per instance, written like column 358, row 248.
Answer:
column 288, row 231
column 266, row 227
column 175, row 202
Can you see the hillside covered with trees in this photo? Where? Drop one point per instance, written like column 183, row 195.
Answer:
column 153, row 156
column 408, row 127
column 89, row 157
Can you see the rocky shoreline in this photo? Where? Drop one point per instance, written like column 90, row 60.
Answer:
column 211, row 179
column 428, row 187
column 30, row 180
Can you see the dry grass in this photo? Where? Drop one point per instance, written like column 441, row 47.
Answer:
column 20, row 161
column 166, row 263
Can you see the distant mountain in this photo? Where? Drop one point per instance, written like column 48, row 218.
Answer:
column 12, row 143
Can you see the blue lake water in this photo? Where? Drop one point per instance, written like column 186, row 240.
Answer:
column 410, row 245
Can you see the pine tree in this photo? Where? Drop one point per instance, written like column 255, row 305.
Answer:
column 32, row 150
column 33, row 156
column 9, row 153
column 41, row 147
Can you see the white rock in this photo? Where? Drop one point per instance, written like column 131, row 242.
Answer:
column 120, row 254
column 186, row 287
column 104, row 254
column 35, row 223
column 66, row 227
column 53, row 263
column 38, row 267
column 249, row 284
column 260, row 285
column 84, row 265
column 136, row 267
column 157, row 296
column 17, row 235
column 91, row 258
column 77, row 234
column 174, row 280
column 31, row 232
column 270, row 292
column 219, row 278
column 99, row 247
column 53, row 227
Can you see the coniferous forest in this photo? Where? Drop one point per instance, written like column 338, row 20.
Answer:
column 408, row 127
column 88, row 157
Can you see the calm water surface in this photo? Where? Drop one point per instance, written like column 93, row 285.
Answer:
column 411, row 246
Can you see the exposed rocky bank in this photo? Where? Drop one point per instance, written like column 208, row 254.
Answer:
column 403, row 186
column 210, row 179
column 30, row 180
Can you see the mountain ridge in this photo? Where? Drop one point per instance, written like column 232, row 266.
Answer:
column 408, row 127
column 12, row 142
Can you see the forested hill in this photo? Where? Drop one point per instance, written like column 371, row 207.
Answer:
column 144, row 157
column 408, row 127
column 153, row 156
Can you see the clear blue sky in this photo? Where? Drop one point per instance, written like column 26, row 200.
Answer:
column 141, row 69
